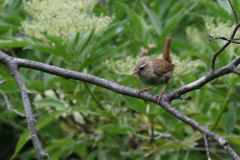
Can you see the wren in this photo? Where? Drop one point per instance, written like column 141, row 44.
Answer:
column 155, row 72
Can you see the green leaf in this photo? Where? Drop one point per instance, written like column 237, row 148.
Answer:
column 73, row 41
column 236, row 3
column 225, row 5
column 59, row 43
column 154, row 19
column 137, row 105
column 78, row 43
column 50, row 50
column 7, row 26
column 222, row 109
column 92, row 155
column 50, row 103
column 99, row 55
column 231, row 120
column 214, row 7
column 138, row 24
column 181, row 45
column 113, row 30
column 224, row 57
column 57, row 154
column 39, row 125
column 36, row 85
column 16, row 42
column 234, row 139
column 115, row 129
column 59, row 143
column 84, row 41
column 107, row 114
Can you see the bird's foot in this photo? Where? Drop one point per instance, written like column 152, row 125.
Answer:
column 144, row 90
column 141, row 90
column 159, row 97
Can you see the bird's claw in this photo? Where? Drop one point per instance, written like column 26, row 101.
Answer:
column 159, row 97
column 141, row 90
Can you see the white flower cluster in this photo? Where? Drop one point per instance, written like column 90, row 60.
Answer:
column 216, row 27
column 62, row 18
column 126, row 66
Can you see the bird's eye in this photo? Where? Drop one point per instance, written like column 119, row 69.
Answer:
column 141, row 68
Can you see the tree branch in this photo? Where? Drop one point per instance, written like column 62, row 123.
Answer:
column 13, row 67
column 12, row 62
column 223, row 38
column 206, row 146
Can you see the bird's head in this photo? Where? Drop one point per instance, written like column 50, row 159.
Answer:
column 141, row 68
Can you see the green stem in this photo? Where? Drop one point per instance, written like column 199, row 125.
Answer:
column 94, row 98
column 152, row 132
column 13, row 53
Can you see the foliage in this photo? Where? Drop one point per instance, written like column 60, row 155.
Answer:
column 77, row 120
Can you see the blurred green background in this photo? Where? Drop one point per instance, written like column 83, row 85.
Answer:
column 77, row 120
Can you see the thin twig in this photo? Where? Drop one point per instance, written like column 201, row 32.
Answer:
column 234, row 11
column 204, row 149
column 206, row 146
column 235, row 70
column 216, row 54
column 9, row 106
column 223, row 38
column 236, row 39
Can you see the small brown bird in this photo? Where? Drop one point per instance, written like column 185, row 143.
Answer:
column 155, row 72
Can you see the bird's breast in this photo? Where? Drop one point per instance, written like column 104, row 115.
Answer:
column 153, row 80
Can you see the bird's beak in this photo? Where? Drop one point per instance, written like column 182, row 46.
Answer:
column 135, row 72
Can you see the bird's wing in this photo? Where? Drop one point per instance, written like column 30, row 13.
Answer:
column 163, row 67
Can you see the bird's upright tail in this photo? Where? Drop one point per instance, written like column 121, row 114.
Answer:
column 166, row 50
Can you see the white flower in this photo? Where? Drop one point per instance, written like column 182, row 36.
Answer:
column 62, row 18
